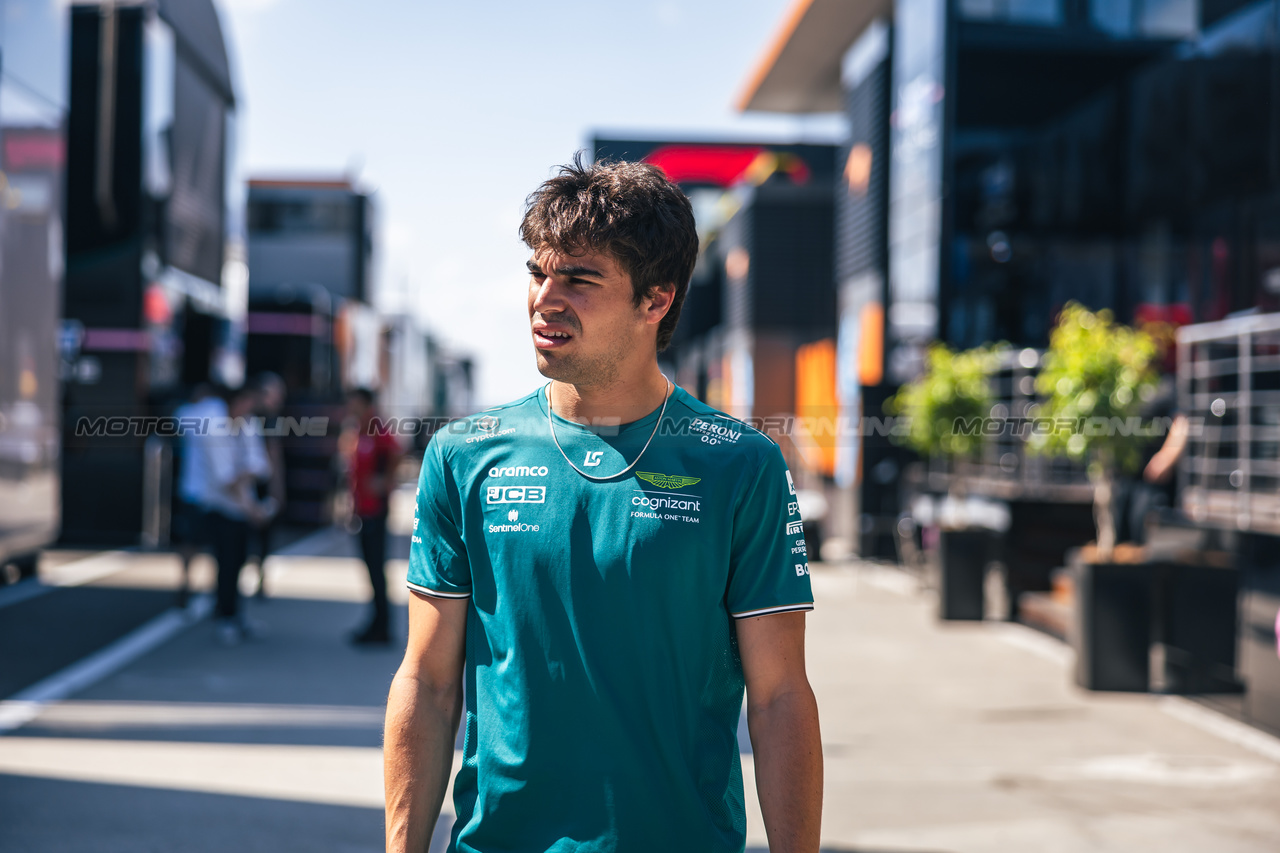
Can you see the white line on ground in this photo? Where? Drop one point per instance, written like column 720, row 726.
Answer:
column 76, row 573
column 21, row 591
column 1038, row 644
column 1207, row 720
column 23, row 707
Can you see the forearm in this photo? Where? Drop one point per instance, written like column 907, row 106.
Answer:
column 787, row 746
column 422, row 724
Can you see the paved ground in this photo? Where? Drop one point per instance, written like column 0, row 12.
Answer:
column 937, row 740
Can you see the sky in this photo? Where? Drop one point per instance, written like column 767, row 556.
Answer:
column 453, row 113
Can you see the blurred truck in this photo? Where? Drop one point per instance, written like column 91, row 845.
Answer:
column 32, row 168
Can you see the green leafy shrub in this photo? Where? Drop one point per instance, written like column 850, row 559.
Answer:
column 1095, row 376
column 953, row 390
column 1098, row 372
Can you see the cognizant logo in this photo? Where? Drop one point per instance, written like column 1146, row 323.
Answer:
column 666, row 503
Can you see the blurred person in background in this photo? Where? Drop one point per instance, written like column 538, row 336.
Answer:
column 605, row 595
column 271, row 392
column 371, row 456
column 1142, row 499
column 191, row 509
column 236, row 462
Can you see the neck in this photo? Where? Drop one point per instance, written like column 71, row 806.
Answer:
column 621, row 401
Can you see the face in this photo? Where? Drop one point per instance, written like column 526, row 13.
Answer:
column 357, row 407
column 586, row 327
column 242, row 404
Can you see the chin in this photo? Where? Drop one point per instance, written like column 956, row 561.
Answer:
column 548, row 367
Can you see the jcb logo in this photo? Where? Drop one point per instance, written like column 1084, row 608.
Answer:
column 593, row 458
column 517, row 494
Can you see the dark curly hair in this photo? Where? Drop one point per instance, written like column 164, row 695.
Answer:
column 627, row 210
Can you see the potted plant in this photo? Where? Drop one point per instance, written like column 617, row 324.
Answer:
column 944, row 409
column 1095, row 377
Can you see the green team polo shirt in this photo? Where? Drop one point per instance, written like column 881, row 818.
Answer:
column 603, row 683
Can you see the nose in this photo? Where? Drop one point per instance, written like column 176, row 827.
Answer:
column 547, row 297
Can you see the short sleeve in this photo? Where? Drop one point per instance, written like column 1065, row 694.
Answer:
column 768, row 565
column 438, row 563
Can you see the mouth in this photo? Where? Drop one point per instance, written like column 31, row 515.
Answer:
column 547, row 338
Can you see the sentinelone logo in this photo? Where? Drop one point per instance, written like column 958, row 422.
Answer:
column 516, row 526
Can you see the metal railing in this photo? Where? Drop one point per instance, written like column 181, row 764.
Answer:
column 1229, row 390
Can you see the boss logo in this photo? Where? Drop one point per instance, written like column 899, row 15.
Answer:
column 516, row 494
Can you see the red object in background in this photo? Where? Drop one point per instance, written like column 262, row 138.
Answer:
column 1177, row 314
column 155, row 306
column 373, row 455
column 722, row 165
column 34, row 148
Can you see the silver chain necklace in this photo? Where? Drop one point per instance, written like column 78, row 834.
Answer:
column 551, row 424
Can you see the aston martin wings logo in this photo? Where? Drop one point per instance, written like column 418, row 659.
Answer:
column 667, row 481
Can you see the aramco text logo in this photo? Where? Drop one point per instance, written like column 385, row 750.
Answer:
column 514, row 515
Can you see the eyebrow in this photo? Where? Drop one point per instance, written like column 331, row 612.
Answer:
column 569, row 271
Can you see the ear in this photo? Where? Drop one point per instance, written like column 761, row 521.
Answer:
column 658, row 303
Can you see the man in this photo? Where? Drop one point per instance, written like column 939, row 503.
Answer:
column 190, row 512
column 604, row 594
column 372, row 457
column 271, row 392
column 235, row 461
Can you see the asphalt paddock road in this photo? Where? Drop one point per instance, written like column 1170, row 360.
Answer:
column 937, row 739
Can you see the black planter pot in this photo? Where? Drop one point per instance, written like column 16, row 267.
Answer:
column 1112, row 630
column 963, row 557
column 1199, row 615
column 1260, row 601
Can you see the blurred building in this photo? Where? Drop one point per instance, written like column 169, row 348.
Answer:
column 33, row 111
column 1004, row 158
column 313, row 320
column 154, row 291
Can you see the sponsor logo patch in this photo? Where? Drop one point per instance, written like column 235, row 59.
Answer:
column 667, row 481
column 791, row 484
column 487, row 424
column 516, row 494
column 593, row 458
column 713, row 433
column 518, row 471
column 793, row 508
column 795, row 528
